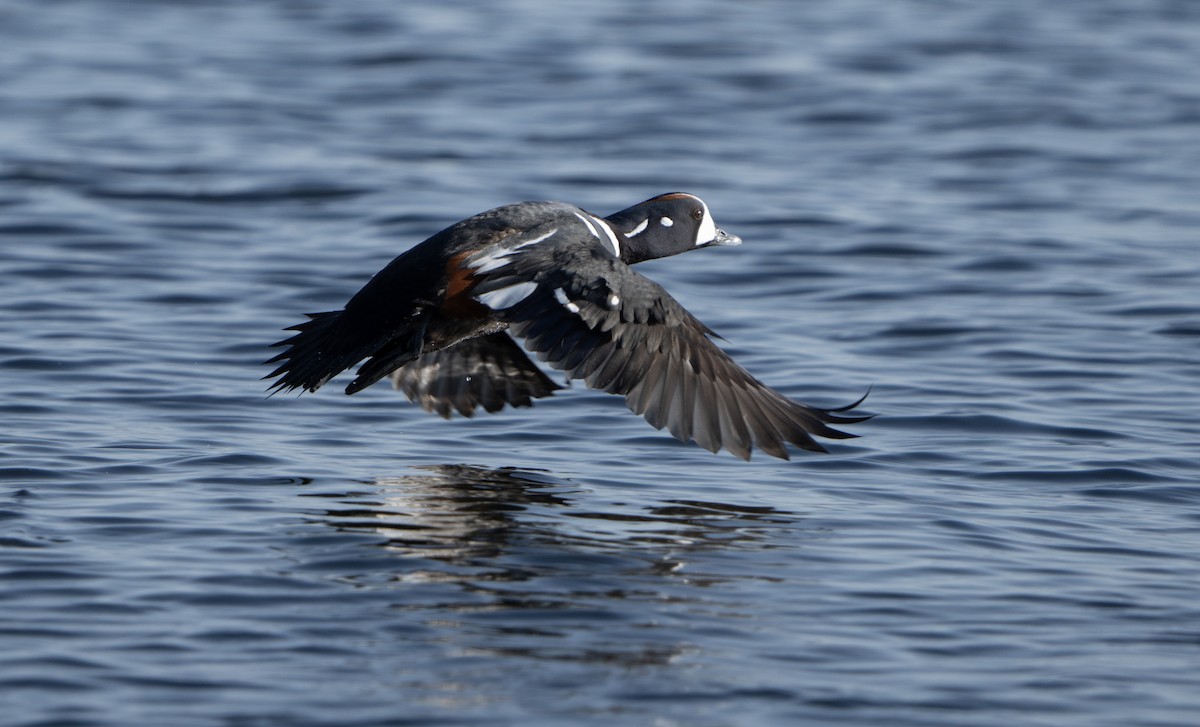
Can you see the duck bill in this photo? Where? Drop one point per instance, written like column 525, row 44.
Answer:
column 724, row 238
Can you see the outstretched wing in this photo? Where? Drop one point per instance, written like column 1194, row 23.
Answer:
column 585, row 312
column 489, row 371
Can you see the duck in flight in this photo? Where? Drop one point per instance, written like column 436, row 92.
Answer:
column 441, row 320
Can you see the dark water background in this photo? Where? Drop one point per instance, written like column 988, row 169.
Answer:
column 989, row 211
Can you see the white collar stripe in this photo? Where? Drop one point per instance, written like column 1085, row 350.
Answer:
column 590, row 226
column 592, row 222
column 611, row 236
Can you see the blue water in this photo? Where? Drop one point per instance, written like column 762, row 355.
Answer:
column 986, row 211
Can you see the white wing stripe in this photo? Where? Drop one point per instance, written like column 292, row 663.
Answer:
column 497, row 257
column 508, row 296
column 534, row 241
column 561, row 296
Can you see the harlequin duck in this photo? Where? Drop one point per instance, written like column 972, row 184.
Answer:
column 440, row 320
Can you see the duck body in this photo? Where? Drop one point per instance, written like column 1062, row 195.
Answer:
column 441, row 319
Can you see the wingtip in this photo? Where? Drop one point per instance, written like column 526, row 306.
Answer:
column 855, row 404
column 831, row 415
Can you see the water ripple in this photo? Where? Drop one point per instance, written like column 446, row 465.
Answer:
column 964, row 205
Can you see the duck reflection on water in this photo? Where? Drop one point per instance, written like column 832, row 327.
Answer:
column 522, row 563
column 462, row 513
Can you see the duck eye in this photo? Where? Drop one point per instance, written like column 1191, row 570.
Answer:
column 697, row 214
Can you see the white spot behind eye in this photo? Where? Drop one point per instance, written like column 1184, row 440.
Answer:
column 666, row 222
column 613, row 301
column 639, row 229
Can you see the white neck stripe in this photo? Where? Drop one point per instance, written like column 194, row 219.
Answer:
column 639, row 229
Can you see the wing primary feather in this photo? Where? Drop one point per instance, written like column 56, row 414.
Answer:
column 734, row 435
column 659, row 413
column 679, row 417
column 762, row 427
column 649, row 397
column 795, row 429
column 706, row 425
column 854, row 405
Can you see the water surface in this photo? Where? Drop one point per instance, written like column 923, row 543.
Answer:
column 987, row 212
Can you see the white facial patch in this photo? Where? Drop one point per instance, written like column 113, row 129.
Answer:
column 508, row 296
column 561, row 296
column 639, row 229
column 613, row 301
column 498, row 257
column 666, row 222
column 708, row 229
